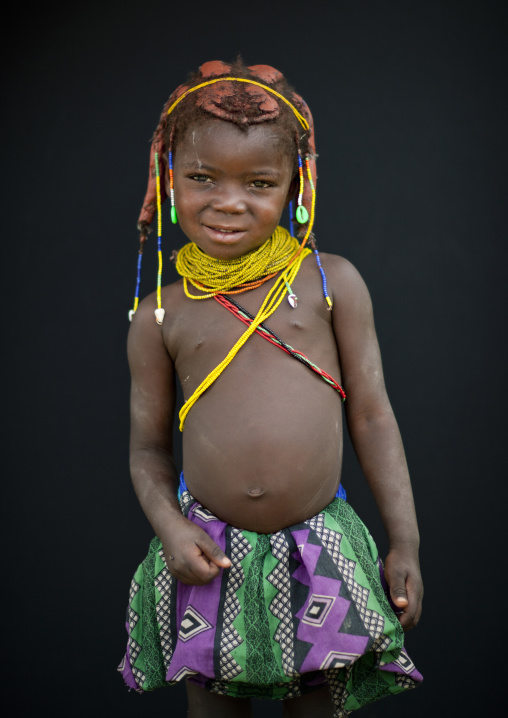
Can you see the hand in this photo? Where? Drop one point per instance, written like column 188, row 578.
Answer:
column 402, row 573
column 191, row 555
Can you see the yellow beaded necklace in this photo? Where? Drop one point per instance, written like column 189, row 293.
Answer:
column 280, row 253
column 218, row 276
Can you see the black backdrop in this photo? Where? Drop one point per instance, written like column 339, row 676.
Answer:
column 409, row 100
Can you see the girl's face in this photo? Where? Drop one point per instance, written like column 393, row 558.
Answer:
column 230, row 186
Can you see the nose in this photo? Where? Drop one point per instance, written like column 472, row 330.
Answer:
column 229, row 200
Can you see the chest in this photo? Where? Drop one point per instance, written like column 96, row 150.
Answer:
column 202, row 332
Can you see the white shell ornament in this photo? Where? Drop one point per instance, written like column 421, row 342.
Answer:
column 293, row 300
column 131, row 314
column 159, row 315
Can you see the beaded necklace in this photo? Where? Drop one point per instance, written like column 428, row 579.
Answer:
column 224, row 284
column 217, row 276
column 268, row 334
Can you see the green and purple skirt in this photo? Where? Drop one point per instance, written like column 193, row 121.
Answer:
column 297, row 609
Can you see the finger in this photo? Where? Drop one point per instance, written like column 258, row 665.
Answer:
column 415, row 593
column 411, row 614
column 213, row 552
column 407, row 620
column 200, row 577
column 196, row 571
column 204, row 570
column 191, row 566
column 398, row 590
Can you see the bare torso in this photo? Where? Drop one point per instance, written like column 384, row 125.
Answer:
column 262, row 447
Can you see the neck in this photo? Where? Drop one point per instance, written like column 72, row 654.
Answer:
column 219, row 276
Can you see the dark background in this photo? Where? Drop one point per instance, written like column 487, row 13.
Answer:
column 409, row 100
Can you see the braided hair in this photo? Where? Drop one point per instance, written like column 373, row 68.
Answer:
column 241, row 103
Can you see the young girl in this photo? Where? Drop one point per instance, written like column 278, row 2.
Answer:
column 261, row 581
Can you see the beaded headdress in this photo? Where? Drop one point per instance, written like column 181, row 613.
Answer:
column 215, row 88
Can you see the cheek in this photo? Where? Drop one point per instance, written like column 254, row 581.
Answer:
column 190, row 202
column 277, row 203
column 269, row 216
column 268, row 212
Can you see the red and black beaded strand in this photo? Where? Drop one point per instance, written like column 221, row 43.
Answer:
column 244, row 316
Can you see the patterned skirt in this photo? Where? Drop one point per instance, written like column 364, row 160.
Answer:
column 297, row 609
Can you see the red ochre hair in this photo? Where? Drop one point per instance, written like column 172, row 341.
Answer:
column 238, row 102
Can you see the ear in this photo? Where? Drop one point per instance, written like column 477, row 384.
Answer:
column 293, row 190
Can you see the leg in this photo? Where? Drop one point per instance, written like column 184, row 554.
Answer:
column 203, row 704
column 317, row 704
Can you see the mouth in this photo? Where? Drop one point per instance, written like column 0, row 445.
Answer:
column 224, row 234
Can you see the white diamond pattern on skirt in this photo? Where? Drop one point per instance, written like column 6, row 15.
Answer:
column 133, row 589
column 134, row 651
column 193, row 623
column 164, row 583
column 404, row 681
column 230, row 638
column 133, row 615
column 380, row 645
column 281, row 603
column 139, row 676
column 331, row 539
column 133, row 619
column 293, row 688
column 219, row 687
column 373, row 621
column 338, row 691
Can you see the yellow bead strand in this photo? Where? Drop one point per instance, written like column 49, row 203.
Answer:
column 301, row 119
column 159, row 312
column 219, row 276
column 229, row 278
column 270, row 304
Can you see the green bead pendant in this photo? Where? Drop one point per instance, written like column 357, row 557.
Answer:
column 302, row 215
column 174, row 216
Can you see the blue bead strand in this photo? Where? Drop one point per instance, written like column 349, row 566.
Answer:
column 138, row 281
column 323, row 275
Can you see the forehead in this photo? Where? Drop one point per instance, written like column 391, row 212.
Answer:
column 264, row 142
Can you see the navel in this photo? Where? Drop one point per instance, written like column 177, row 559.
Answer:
column 256, row 492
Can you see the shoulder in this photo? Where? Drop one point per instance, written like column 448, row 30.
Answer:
column 172, row 295
column 345, row 282
column 144, row 332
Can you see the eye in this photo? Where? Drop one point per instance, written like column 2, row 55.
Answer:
column 262, row 184
column 200, row 178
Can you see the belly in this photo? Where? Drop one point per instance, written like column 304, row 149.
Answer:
column 267, row 453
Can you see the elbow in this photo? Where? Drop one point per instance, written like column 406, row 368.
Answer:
column 371, row 419
column 141, row 457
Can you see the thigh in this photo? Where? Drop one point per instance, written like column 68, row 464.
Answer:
column 317, row 704
column 203, row 704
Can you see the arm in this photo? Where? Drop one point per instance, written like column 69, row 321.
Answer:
column 375, row 436
column 197, row 559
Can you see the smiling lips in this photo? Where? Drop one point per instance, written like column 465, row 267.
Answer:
column 222, row 233
column 224, row 229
